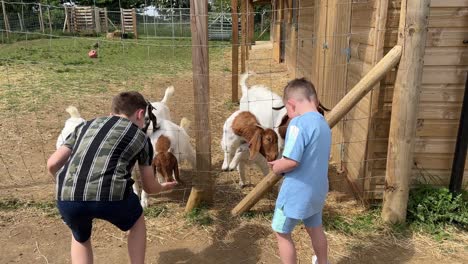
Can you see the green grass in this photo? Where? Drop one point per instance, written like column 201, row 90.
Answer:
column 199, row 216
column 49, row 208
column 155, row 211
column 38, row 70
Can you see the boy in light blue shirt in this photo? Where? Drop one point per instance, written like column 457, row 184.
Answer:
column 305, row 167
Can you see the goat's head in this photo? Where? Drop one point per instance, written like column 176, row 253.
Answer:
column 150, row 118
column 265, row 142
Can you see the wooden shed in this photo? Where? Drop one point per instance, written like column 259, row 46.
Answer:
column 334, row 43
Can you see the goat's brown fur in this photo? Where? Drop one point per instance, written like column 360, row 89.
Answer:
column 165, row 163
column 263, row 141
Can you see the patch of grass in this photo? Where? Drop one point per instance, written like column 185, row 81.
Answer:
column 367, row 222
column 230, row 105
column 155, row 211
column 199, row 216
column 258, row 214
column 434, row 210
column 49, row 208
column 34, row 69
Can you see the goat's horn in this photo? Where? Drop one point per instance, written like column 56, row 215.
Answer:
column 278, row 107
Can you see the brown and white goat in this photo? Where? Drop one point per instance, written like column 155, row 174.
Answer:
column 165, row 163
column 242, row 127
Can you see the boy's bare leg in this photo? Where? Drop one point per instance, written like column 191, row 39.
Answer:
column 286, row 248
column 137, row 241
column 319, row 243
column 81, row 253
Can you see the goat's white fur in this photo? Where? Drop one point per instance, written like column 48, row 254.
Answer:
column 241, row 160
column 162, row 111
column 180, row 145
column 236, row 151
column 260, row 100
column 72, row 122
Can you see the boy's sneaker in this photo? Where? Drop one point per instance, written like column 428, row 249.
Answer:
column 314, row 260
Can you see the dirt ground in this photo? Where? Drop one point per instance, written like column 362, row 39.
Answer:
column 29, row 235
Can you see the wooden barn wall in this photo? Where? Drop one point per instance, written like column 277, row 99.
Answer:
column 306, row 40
column 444, row 74
column 365, row 51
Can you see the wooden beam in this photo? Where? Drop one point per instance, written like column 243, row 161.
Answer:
column 243, row 12
column 235, row 52
column 340, row 110
column 5, row 20
column 202, row 191
column 412, row 37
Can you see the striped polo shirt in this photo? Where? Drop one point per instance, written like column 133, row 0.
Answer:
column 104, row 151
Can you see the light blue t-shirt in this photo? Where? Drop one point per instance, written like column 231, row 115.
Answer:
column 305, row 188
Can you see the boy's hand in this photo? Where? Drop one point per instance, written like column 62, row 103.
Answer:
column 166, row 186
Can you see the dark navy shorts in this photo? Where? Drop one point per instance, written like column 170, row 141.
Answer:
column 79, row 215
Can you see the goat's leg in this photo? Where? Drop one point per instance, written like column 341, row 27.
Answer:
column 241, row 170
column 262, row 163
column 227, row 159
column 238, row 156
column 144, row 199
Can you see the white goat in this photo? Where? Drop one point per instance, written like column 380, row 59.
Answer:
column 72, row 122
column 242, row 127
column 180, row 146
column 260, row 101
column 161, row 110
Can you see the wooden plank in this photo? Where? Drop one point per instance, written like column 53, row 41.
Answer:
column 444, row 74
column 438, row 18
column 363, row 35
column 362, row 52
column 446, row 56
column 433, row 93
column 423, row 145
column 448, row 111
column 424, row 128
column 363, row 17
column 436, row 37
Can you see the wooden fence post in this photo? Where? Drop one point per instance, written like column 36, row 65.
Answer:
column 134, row 18
column 341, row 109
column 41, row 19
column 412, row 37
column 50, row 20
column 5, row 20
column 202, row 191
column 97, row 20
column 235, row 52
column 243, row 12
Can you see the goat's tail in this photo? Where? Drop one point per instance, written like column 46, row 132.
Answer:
column 169, row 92
column 185, row 124
column 73, row 111
column 243, row 82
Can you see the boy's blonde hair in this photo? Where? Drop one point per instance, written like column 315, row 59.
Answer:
column 128, row 103
column 300, row 89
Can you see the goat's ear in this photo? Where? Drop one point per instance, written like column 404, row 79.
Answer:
column 255, row 144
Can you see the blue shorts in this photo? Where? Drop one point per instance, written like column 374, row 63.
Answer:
column 285, row 225
column 79, row 215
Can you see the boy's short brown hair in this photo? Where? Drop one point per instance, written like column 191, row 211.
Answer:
column 128, row 103
column 300, row 89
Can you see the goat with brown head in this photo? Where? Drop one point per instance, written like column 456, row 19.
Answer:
column 165, row 163
column 263, row 141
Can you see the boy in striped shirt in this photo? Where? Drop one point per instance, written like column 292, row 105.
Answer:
column 92, row 170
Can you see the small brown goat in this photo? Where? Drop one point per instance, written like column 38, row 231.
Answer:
column 263, row 141
column 165, row 163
